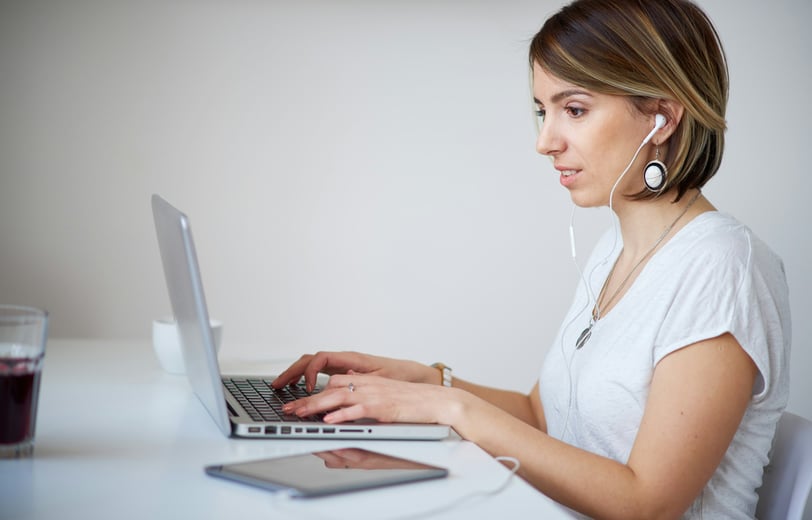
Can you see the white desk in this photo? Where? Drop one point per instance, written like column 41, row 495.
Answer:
column 119, row 438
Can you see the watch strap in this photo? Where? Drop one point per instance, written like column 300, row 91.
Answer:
column 445, row 373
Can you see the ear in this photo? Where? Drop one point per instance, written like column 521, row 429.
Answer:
column 672, row 110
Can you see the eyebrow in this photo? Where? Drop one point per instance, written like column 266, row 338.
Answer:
column 564, row 94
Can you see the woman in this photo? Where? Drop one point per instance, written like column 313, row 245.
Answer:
column 661, row 392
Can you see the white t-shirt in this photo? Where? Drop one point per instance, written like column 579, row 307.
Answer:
column 714, row 276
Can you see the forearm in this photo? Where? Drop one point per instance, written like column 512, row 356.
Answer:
column 514, row 403
column 696, row 401
column 589, row 483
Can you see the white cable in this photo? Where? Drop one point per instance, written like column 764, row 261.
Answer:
column 590, row 295
column 469, row 496
column 589, row 298
column 615, row 220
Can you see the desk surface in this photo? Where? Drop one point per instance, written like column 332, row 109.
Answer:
column 119, row 438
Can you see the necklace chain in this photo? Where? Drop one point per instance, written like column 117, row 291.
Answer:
column 596, row 310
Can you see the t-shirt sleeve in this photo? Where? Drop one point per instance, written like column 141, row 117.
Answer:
column 732, row 283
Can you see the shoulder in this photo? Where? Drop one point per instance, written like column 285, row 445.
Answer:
column 716, row 241
column 716, row 233
column 718, row 263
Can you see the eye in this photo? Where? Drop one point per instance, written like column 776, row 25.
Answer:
column 575, row 111
column 540, row 113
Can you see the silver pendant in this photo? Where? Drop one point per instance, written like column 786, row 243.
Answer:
column 584, row 337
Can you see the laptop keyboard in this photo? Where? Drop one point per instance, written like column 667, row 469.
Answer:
column 263, row 402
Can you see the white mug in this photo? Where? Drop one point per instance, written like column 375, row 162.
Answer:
column 166, row 343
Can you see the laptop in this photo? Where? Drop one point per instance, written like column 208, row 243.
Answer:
column 243, row 406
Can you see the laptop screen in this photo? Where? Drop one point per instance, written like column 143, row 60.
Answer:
column 189, row 307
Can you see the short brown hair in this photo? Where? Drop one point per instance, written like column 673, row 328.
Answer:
column 647, row 50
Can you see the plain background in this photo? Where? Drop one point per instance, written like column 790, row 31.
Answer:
column 359, row 174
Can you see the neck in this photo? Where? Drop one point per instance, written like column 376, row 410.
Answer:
column 642, row 223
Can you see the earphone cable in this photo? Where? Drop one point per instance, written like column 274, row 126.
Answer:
column 588, row 287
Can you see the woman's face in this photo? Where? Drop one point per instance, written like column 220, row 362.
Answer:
column 590, row 138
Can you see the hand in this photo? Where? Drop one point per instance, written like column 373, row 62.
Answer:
column 382, row 399
column 332, row 363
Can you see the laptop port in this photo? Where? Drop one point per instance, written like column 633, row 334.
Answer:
column 312, row 430
column 328, row 430
column 270, row 430
column 285, row 430
column 254, row 429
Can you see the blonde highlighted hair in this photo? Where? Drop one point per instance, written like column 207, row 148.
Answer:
column 647, row 50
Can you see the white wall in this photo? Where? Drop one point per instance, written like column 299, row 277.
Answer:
column 359, row 173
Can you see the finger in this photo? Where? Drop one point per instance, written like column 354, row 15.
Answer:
column 331, row 363
column 321, row 362
column 344, row 380
column 346, row 414
column 293, row 372
column 325, row 401
column 308, row 366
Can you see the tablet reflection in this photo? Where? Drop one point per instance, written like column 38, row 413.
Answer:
column 355, row 458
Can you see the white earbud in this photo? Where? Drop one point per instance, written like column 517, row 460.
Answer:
column 655, row 171
column 659, row 122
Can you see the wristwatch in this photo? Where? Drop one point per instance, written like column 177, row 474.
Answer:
column 445, row 373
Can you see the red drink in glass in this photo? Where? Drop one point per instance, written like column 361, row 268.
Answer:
column 23, row 331
column 19, row 389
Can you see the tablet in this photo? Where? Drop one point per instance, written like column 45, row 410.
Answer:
column 323, row 473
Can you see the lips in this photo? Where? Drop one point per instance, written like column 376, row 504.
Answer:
column 568, row 176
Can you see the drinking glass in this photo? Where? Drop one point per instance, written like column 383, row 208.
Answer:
column 23, row 333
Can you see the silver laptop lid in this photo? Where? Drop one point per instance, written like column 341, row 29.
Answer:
column 189, row 307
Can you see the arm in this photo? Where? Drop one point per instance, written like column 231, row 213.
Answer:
column 698, row 397
column 525, row 407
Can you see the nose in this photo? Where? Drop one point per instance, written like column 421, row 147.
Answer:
column 549, row 140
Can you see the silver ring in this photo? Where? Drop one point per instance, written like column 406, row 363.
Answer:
column 351, row 387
